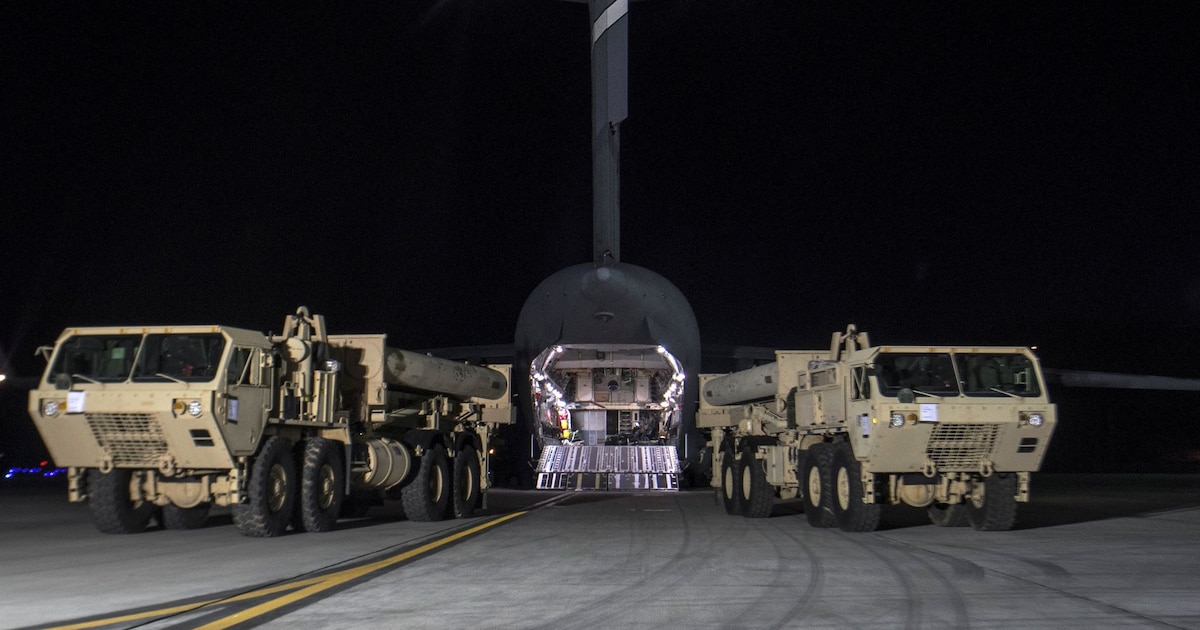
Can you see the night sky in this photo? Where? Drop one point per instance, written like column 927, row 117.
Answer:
column 1015, row 173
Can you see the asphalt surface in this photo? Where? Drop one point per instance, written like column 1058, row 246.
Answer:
column 1119, row 551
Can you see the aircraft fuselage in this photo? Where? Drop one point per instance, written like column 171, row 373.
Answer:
column 611, row 352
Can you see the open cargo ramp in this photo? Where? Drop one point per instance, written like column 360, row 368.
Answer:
column 622, row 468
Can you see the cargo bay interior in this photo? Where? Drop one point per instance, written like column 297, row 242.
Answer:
column 615, row 411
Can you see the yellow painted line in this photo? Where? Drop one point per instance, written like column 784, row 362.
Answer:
column 337, row 579
column 298, row 590
column 134, row 617
column 159, row 612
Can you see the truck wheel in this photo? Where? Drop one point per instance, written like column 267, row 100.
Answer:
column 270, row 490
column 425, row 497
column 948, row 514
column 755, row 494
column 852, row 514
column 731, row 481
column 818, row 486
column 466, row 482
column 322, row 485
column 995, row 508
column 175, row 517
column 113, row 511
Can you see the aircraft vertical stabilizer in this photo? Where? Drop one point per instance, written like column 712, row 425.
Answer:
column 611, row 349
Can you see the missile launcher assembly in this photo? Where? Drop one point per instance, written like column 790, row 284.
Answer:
column 956, row 430
column 290, row 430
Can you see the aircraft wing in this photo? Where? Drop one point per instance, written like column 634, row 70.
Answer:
column 747, row 356
column 483, row 354
column 1109, row 380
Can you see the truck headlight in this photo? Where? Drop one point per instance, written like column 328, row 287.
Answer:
column 897, row 419
column 1034, row 419
column 50, row 408
column 192, row 407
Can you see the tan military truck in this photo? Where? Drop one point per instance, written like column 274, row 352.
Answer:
column 954, row 429
column 292, row 430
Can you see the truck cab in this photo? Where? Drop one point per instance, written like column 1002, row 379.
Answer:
column 169, row 398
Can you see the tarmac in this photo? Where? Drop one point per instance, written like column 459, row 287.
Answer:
column 1090, row 551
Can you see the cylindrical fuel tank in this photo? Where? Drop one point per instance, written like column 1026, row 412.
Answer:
column 419, row 371
column 388, row 463
column 739, row 387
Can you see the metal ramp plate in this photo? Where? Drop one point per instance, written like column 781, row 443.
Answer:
column 578, row 467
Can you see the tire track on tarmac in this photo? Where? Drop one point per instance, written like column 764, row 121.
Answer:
column 647, row 590
column 1054, row 576
column 885, row 552
column 801, row 608
column 916, row 607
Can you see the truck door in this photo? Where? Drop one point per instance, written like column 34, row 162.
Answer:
column 248, row 398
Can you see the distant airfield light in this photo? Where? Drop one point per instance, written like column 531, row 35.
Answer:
column 42, row 470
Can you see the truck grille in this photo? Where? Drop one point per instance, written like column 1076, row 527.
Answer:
column 961, row 447
column 129, row 438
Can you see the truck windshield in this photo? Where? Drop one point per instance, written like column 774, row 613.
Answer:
column 192, row 358
column 951, row 374
column 999, row 374
column 923, row 372
column 96, row 358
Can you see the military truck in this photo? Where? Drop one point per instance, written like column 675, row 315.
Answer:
column 288, row 430
column 953, row 429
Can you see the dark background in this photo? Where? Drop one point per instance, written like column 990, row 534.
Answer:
column 1002, row 173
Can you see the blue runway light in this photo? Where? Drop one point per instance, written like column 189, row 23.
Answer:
column 39, row 471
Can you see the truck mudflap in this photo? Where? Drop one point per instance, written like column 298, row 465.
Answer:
column 621, row 468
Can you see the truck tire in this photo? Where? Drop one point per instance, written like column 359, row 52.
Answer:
column 270, row 491
column 426, row 496
column 818, row 485
column 755, row 494
column 466, row 483
column 113, row 511
column 175, row 517
column 852, row 514
column 996, row 509
column 948, row 514
column 731, row 481
column 322, row 485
